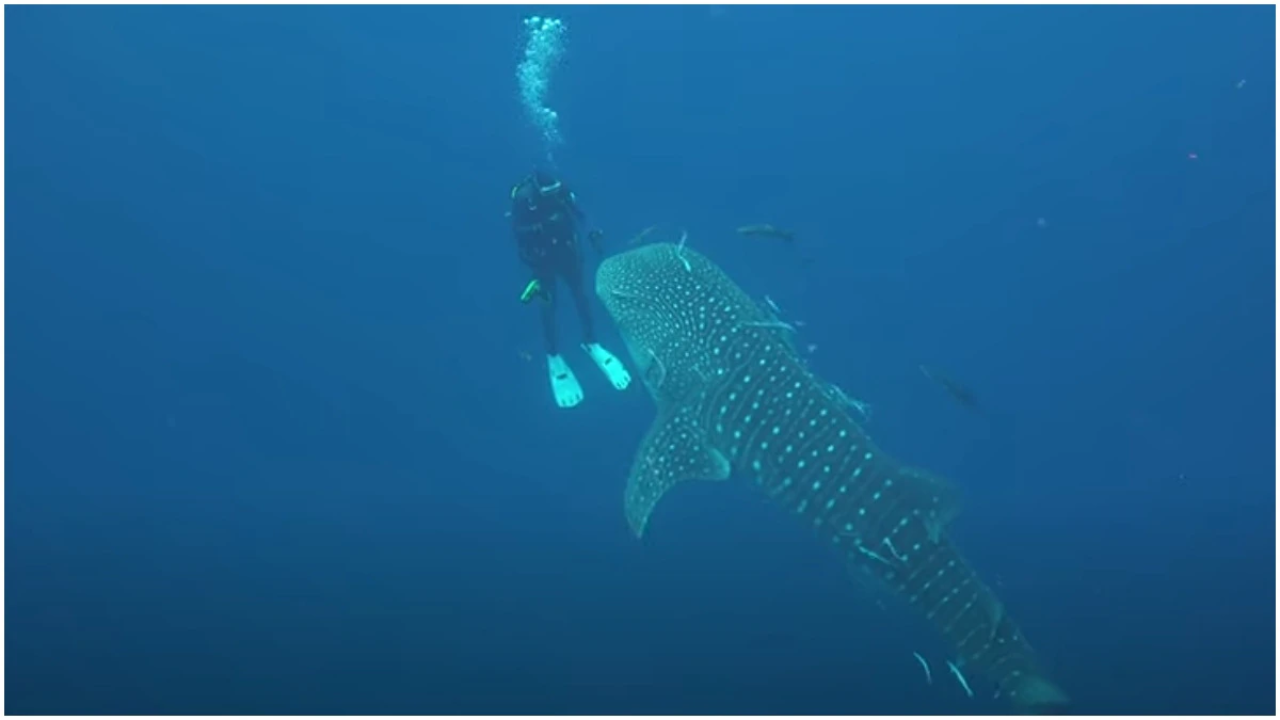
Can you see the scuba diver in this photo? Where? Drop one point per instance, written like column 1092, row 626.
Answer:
column 544, row 218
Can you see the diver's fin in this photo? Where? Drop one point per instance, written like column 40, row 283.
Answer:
column 610, row 365
column 564, row 385
column 673, row 450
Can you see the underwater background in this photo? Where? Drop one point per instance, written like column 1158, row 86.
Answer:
column 280, row 437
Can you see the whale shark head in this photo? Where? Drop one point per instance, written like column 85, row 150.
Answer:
column 673, row 308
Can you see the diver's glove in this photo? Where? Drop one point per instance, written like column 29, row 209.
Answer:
column 596, row 238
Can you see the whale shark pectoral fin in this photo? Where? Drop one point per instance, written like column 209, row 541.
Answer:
column 674, row 450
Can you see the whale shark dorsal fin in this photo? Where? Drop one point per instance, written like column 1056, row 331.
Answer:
column 934, row 493
column 674, row 450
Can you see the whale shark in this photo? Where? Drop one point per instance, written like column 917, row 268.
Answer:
column 735, row 400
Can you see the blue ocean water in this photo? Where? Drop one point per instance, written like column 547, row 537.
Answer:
column 274, row 445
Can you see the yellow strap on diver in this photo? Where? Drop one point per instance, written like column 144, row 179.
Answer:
column 530, row 290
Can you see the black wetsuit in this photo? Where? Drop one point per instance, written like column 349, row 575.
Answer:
column 545, row 218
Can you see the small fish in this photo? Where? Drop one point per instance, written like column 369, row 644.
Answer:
column 766, row 230
column 838, row 394
column 684, row 236
column 644, row 234
column 960, row 678
column 928, row 674
column 775, row 324
column 524, row 355
column 1240, row 85
column 961, row 393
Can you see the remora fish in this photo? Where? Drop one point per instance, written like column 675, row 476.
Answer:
column 642, row 236
column 733, row 398
column 962, row 394
column 767, row 230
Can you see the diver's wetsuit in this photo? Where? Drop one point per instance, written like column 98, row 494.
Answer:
column 544, row 219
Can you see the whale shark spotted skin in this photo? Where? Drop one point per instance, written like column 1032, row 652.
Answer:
column 734, row 399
